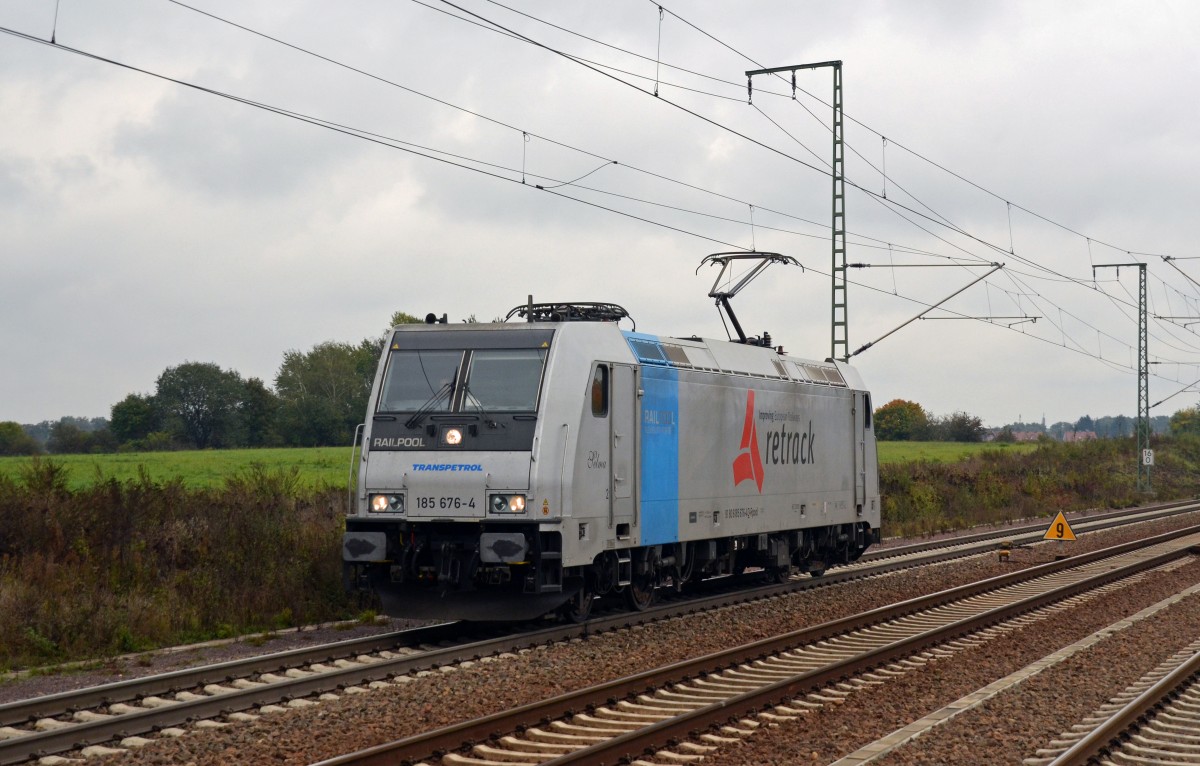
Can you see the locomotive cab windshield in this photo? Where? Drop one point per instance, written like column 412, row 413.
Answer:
column 487, row 382
column 463, row 380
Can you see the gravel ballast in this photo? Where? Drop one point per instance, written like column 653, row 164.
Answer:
column 80, row 675
column 1012, row 725
column 443, row 697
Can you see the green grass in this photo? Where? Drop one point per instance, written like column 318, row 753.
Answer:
column 945, row 452
column 318, row 466
column 329, row 466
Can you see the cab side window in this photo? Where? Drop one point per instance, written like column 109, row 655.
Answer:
column 600, row 391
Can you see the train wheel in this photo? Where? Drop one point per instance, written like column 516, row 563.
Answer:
column 779, row 574
column 640, row 593
column 737, row 567
column 816, row 570
column 677, row 580
column 684, row 576
column 579, row 608
column 605, row 568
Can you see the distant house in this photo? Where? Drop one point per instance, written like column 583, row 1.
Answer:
column 1026, row 436
column 1079, row 436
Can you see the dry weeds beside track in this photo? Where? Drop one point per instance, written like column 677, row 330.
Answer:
column 341, row 683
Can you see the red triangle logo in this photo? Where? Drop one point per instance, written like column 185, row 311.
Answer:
column 748, row 465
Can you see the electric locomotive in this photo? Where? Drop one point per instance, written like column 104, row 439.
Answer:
column 513, row 469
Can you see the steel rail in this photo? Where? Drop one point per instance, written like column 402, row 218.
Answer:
column 456, row 736
column 19, row 749
column 1097, row 743
column 50, row 705
column 892, row 560
column 21, row 711
column 82, row 734
column 78, row 735
column 1032, row 530
column 748, row 703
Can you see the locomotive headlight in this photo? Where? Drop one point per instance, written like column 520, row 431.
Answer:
column 507, row 503
column 453, row 436
column 387, row 503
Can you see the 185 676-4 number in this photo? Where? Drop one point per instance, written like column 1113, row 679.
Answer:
column 445, row 503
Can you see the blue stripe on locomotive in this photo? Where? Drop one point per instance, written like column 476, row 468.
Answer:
column 659, row 424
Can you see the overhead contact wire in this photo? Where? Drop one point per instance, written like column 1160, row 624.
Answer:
column 390, row 143
column 913, row 152
column 353, row 132
column 525, row 134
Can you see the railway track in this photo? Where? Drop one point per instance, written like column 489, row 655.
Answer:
column 723, row 692
column 887, row 560
column 1155, row 721
column 123, row 711
column 1026, row 532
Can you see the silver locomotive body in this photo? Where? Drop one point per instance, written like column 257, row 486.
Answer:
column 509, row 470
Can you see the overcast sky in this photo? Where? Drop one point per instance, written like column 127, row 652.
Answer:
column 144, row 223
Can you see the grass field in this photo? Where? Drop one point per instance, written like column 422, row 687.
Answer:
column 944, row 452
column 320, row 466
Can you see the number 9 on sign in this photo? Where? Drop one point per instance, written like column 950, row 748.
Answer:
column 1059, row 529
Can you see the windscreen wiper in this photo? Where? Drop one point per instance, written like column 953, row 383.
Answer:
column 469, row 397
column 429, row 404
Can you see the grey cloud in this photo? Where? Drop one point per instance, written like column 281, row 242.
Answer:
column 228, row 150
column 300, row 235
column 13, row 186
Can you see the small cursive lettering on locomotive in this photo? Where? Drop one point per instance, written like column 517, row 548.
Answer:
column 397, row 441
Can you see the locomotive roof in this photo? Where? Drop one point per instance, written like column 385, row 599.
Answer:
column 739, row 359
column 707, row 354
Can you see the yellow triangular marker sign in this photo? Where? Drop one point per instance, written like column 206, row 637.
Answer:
column 1059, row 529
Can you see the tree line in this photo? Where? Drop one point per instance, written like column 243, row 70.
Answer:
column 1107, row 427
column 902, row 420
column 318, row 399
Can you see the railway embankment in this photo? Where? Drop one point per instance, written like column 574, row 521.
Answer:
column 924, row 497
column 124, row 566
column 116, row 566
